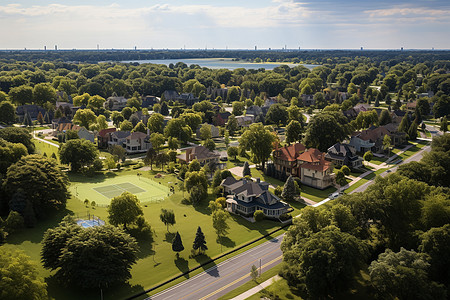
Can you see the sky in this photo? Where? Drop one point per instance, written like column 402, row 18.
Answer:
column 232, row 24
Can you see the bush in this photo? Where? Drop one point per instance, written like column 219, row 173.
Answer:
column 346, row 170
column 14, row 222
column 258, row 215
column 222, row 201
column 285, row 217
column 186, row 201
column 278, row 191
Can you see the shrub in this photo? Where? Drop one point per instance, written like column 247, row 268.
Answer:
column 278, row 191
column 222, row 201
column 258, row 215
column 346, row 170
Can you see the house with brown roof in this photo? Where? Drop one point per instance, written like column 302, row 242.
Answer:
column 369, row 139
column 103, row 137
column 221, row 118
column 245, row 197
column 307, row 164
column 343, row 154
column 200, row 153
column 314, row 170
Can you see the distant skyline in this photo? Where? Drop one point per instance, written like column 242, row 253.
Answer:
column 175, row 24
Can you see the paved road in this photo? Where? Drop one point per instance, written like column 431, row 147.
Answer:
column 228, row 275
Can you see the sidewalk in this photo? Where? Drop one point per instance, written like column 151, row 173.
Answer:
column 257, row 288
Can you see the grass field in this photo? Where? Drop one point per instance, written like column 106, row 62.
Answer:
column 156, row 260
column 147, row 190
column 48, row 149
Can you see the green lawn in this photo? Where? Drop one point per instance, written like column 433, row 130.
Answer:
column 360, row 182
column 251, row 284
column 156, row 261
column 48, row 149
column 378, row 160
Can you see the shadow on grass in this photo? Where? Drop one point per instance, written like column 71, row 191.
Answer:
column 208, row 268
column 34, row 235
column 145, row 249
column 226, row 241
column 56, row 290
column 100, row 177
column 182, row 265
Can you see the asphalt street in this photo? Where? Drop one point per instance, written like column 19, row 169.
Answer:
column 226, row 276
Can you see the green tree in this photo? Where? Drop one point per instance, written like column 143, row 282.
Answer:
column 403, row 275
column 238, row 108
column 156, row 123
column 346, row 170
column 254, row 273
column 323, row 131
column 193, row 120
column 117, row 118
column 126, row 113
column 164, row 109
column 124, row 210
column 277, row 114
column 96, row 102
column 84, row 117
column 44, row 92
column 436, row 243
column 246, row 170
column 209, row 144
column 173, row 143
column 443, row 127
column 14, row 222
column 232, row 125
column 126, row 126
column 10, row 153
column 81, row 99
column 20, row 278
column 294, row 131
column 78, row 153
column 140, row 127
column 101, row 122
column 21, row 95
column 404, row 124
column 217, row 179
column 94, row 257
column 412, row 131
column 387, row 144
column 167, row 216
column 385, row 117
column 232, row 152
column 177, row 128
column 199, row 242
column 259, row 141
column 42, row 181
column 368, row 156
column 18, row 135
column 219, row 219
column 27, row 120
column 340, row 178
column 157, row 140
column 205, row 132
column 150, row 156
column 7, row 112
column 289, row 191
column 324, row 263
column 177, row 244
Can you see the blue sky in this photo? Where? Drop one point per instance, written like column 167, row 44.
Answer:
column 309, row 24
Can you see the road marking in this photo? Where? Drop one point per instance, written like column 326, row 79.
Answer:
column 228, row 275
column 204, row 273
column 239, row 279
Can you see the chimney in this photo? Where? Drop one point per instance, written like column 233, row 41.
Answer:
column 188, row 155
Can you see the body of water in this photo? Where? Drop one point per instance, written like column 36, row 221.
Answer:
column 218, row 63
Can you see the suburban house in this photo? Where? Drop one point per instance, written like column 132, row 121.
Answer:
column 83, row 133
column 285, row 158
column 170, row 95
column 200, row 153
column 343, row 154
column 397, row 116
column 314, row 170
column 214, row 131
column 148, row 101
column 137, row 142
column 411, row 106
column 62, row 120
column 372, row 137
column 307, row 164
column 187, row 98
column 397, row 137
column 245, row 121
column 353, row 112
column 245, row 197
column 221, row 118
column 256, row 110
column 115, row 103
column 32, row 110
column 103, row 137
column 140, row 116
column 118, row 138
column 307, row 100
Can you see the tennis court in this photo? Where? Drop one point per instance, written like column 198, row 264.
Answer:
column 102, row 192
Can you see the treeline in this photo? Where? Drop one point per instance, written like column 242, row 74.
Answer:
column 308, row 56
column 399, row 228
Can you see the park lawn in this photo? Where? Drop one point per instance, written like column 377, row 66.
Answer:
column 48, row 149
column 251, row 284
column 150, row 269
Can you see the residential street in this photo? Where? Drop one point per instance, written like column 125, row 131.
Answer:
column 226, row 276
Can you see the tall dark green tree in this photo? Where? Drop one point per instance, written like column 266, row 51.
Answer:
column 177, row 244
column 78, row 153
column 7, row 112
column 200, row 242
column 289, row 191
column 246, row 170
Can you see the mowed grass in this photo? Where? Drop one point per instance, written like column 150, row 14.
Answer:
column 42, row 147
column 104, row 190
column 156, row 260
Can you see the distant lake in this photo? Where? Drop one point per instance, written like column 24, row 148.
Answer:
column 218, row 63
